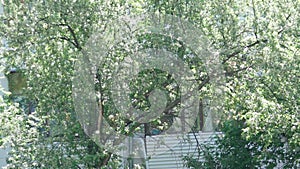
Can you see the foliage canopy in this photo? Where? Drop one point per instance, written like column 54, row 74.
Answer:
column 259, row 47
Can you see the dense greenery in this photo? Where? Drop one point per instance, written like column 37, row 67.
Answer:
column 259, row 48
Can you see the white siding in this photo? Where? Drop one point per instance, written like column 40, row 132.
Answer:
column 3, row 83
column 171, row 157
column 3, row 152
column 3, row 156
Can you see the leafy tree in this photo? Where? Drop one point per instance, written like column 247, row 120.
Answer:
column 258, row 44
column 44, row 39
column 258, row 41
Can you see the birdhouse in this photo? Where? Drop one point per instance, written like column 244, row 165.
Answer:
column 16, row 81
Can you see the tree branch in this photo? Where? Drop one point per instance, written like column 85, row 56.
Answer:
column 73, row 34
column 240, row 50
column 236, row 71
column 66, row 39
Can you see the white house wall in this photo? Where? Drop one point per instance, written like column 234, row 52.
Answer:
column 171, row 157
column 3, row 152
column 4, row 85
